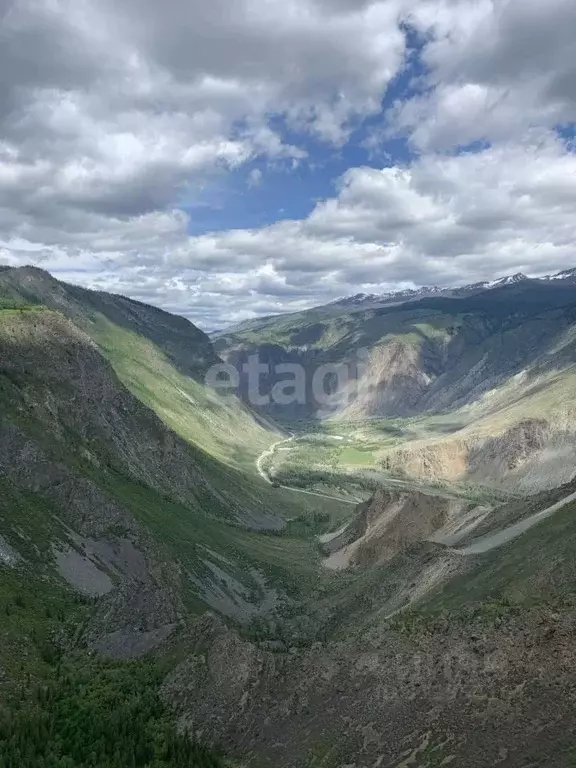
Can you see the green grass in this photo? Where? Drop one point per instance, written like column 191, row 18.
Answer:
column 537, row 566
column 535, row 570
column 325, row 328
column 35, row 609
column 221, row 427
column 190, row 534
column 356, row 456
column 335, row 447
column 346, row 458
column 13, row 304
column 27, row 520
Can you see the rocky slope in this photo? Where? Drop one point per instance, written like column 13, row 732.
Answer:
column 426, row 356
column 131, row 513
column 133, row 526
column 161, row 358
column 453, row 696
column 69, row 435
column 392, row 521
column 522, row 440
column 498, row 365
column 481, row 659
column 186, row 346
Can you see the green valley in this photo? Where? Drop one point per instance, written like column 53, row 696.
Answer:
column 247, row 585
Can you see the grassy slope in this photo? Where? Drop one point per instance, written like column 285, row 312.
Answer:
column 366, row 444
column 38, row 608
column 222, row 427
column 162, row 359
column 183, row 527
column 539, row 566
column 225, row 440
column 337, row 335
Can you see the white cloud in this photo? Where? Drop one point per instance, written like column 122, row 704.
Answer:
column 445, row 220
column 495, row 69
column 113, row 115
column 115, row 108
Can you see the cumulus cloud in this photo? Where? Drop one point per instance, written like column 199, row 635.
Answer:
column 444, row 220
column 495, row 69
column 113, row 118
column 114, row 108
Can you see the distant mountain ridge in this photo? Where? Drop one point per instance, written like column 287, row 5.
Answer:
column 500, row 357
column 413, row 294
column 144, row 562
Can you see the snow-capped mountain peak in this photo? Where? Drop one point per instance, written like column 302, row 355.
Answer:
column 566, row 274
column 414, row 294
column 519, row 277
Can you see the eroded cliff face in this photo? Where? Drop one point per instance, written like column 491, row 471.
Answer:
column 393, row 382
column 390, row 523
column 530, row 456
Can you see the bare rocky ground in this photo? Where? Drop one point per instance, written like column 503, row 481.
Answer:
column 484, row 681
column 406, row 655
column 453, row 695
column 531, row 456
column 8, row 555
column 391, row 521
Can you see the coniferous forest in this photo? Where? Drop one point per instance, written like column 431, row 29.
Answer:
column 97, row 715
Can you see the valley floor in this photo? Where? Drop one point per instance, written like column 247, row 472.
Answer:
column 386, row 593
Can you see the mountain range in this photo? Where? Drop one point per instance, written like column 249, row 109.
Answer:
column 411, row 294
column 483, row 383
column 384, row 579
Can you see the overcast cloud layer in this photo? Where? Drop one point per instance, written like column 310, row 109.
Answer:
column 117, row 119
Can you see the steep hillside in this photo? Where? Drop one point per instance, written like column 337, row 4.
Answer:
column 161, row 358
column 442, row 353
column 479, row 671
column 114, row 532
column 148, row 570
column 71, row 431
column 519, row 436
column 392, row 521
column 79, row 567
column 484, row 383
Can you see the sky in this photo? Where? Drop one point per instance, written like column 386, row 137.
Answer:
column 236, row 158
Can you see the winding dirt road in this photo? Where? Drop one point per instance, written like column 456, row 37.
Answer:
column 476, row 547
column 263, row 474
column 270, row 452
